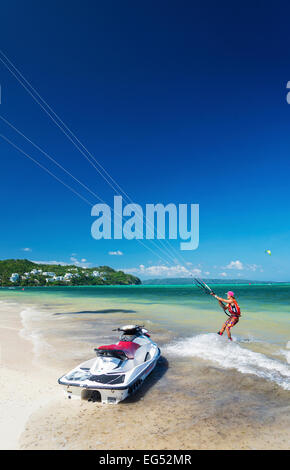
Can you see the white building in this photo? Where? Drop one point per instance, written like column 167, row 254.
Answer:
column 36, row 271
column 49, row 274
column 68, row 275
column 55, row 278
column 14, row 277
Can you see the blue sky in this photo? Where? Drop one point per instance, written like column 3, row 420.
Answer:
column 181, row 102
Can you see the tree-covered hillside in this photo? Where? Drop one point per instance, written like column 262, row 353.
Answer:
column 27, row 273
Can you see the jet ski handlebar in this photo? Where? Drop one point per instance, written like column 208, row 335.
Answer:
column 126, row 328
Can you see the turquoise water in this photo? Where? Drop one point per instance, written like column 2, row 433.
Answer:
column 256, row 296
column 201, row 380
column 260, row 302
column 183, row 319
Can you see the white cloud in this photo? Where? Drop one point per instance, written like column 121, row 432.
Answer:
column 235, row 265
column 238, row 265
column 62, row 263
column 83, row 263
column 163, row 271
column 223, row 274
column 26, row 249
column 115, row 253
column 252, row 267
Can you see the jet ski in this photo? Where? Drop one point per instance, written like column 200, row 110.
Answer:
column 117, row 371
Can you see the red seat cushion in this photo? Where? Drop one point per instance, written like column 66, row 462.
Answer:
column 127, row 347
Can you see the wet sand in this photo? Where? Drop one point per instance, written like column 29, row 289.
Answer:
column 185, row 404
column 158, row 419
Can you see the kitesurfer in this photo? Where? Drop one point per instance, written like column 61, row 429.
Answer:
column 232, row 306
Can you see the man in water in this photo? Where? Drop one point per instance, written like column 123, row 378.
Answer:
column 232, row 306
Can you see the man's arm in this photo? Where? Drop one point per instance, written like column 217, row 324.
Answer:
column 220, row 299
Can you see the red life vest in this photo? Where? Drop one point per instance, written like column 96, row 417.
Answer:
column 235, row 309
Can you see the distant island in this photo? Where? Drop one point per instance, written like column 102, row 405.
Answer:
column 22, row 272
column 189, row 280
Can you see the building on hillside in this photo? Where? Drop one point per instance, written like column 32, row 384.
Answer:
column 14, row 277
column 36, row 271
column 68, row 276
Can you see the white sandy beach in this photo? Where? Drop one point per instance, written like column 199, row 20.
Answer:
column 25, row 386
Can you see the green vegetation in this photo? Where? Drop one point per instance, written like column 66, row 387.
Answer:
column 33, row 274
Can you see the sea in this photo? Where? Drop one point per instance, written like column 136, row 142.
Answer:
column 203, row 382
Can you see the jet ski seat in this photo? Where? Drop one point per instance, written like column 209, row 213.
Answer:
column 128, row 348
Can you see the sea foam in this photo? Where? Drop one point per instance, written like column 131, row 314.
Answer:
column 29, row 318
column 230, row 355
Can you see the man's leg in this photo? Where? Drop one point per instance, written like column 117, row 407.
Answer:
column 229, row 332
column 222, row 329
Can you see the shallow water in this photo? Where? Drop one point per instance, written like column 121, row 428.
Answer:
column 202, row 379
column 177, row 311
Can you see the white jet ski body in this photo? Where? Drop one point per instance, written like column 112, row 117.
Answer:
column 117, row 371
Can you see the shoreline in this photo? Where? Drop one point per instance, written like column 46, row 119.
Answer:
column 229, row 283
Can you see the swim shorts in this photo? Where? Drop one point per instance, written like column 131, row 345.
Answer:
column 231, row 322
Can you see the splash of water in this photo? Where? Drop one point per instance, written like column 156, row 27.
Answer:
column 228, row 355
